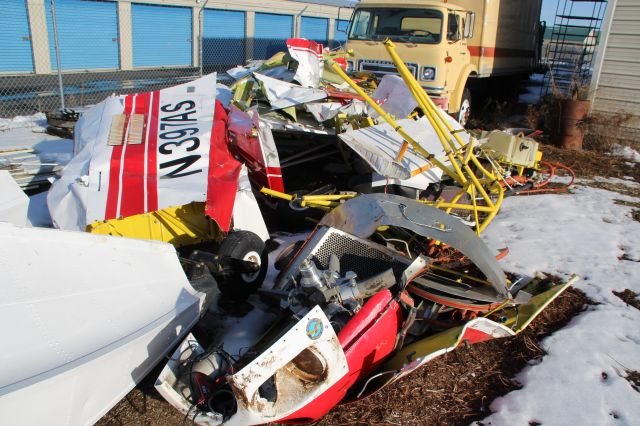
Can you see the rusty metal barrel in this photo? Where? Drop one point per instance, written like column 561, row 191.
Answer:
column 570, row 131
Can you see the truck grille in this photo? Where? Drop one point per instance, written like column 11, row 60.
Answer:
column 381, row 68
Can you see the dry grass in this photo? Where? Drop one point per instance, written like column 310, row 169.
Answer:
column 589, row 163
column 633, row 377
column 629, row 297
column 602, row 131
column 143, row 406
column 542, row 115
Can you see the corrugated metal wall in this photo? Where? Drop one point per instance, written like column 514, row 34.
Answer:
column 316, row 29
column 87, row 32
column 15, row 38
column 340, row 32
column 161, row 35
column 271, row 33
column 223, row 37
column 618, row 89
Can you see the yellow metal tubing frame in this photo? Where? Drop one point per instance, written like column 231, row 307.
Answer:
column 387, row 117
column 322, row 202
column 439, row 123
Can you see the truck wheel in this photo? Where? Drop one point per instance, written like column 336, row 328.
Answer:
column 243, row 245
column 465, row 108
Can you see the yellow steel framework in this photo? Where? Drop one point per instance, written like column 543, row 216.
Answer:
column 484, row 189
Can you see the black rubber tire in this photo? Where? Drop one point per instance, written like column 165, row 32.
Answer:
column 243, row 245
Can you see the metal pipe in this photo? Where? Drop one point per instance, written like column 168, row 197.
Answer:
column 296, row 26
column 387, row 117
column 302, row 154
column 305, row 160
column 201, row 36
column 57, row 48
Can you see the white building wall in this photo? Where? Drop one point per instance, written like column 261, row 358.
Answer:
column 616, row 80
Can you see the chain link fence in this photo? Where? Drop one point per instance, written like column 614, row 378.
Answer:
column 72, row 53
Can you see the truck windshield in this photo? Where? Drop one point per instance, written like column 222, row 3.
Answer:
column 398, row 24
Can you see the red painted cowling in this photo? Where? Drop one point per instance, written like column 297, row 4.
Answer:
column 223, row 173
column 264, row 170
column 366, row 340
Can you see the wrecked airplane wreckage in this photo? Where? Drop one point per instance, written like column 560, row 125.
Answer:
column 356, row 308
column 384, row 283
column 360, row 303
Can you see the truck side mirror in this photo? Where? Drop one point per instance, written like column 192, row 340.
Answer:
column 469, row 22
column 453, row 28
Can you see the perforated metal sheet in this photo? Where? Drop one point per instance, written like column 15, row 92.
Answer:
column 363, row 258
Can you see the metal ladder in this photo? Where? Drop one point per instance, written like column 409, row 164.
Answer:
column 571, row 48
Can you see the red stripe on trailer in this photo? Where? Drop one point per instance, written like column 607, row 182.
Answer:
column 152, row 155
column 132, row 194
column 224, row 171
column 500, row 52
column 113, row 192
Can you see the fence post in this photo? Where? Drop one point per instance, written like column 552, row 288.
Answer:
column 249, row 35
column 201, row 35
column 57, row 46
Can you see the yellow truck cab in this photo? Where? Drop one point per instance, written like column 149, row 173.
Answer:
column 447, row 46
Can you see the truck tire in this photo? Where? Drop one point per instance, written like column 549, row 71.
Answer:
column 243, row 245
column 465, row 108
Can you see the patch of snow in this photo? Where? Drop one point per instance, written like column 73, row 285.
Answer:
column 37, row 120
column 532, row 90
column 626, row 152
column 537, row 77
column 531, row 97
column 580, row 380
column 29, row 132
column 38, row 212
column 615, row 181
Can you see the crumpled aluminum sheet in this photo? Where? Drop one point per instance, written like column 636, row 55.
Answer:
column 362, row 215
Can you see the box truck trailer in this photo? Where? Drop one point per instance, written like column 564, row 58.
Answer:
column 449, row 47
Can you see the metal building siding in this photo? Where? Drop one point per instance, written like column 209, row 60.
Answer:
column 15, row 37
column 340, row 32
column 619, row 82
column 161, row 35
column 223, row 37
column 316, row 29
column 87, row 34
column 271, row 32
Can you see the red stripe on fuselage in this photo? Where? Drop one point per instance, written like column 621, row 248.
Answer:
column 113, row 192
column 132, row 198
column 152, row 154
